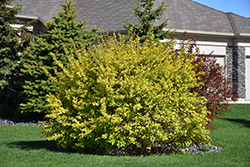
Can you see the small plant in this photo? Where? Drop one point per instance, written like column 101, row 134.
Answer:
column 204, row 148
column 118, row 95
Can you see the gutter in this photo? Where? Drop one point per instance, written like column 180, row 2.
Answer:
column 246, row 35
column 211, row 33
column 202, row 33
column 191, row 32
column 113, row 31
column 30, row 18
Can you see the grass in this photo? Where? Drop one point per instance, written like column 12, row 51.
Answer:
column 22, row 146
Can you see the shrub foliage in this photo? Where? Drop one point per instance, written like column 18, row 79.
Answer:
column 118, row 95
column 217, row 89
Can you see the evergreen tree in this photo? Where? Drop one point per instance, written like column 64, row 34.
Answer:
column 147, row 16
column 64, row 29
column 13, row 42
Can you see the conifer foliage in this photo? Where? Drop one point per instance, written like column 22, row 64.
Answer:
column 147, row 16
column 64, row 29
column 13, row 42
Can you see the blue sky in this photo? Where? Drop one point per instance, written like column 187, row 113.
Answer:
column 240, row 7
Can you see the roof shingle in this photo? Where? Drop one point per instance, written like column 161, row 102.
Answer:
column 183, row 14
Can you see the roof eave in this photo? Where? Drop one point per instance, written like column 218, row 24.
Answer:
column 210, row 33
column 244, row 35
column 30, row 18
column 110, row 32
column 202, row 33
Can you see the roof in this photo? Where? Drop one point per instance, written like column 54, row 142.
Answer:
column 242, row 23
column 183, row 14
column 187, row 14
column 40, row 9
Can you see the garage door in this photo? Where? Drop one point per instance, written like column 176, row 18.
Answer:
column 247, row 78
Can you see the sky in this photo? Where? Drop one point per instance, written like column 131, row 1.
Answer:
column 240, row 7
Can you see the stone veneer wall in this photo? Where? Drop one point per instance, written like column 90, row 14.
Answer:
column 236, row 69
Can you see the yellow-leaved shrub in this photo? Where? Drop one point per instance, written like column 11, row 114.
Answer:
column 120, row 95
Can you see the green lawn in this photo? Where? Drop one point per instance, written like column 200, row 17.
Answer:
column 22, row 146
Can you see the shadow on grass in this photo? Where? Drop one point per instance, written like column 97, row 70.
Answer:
column 34, row 145
column 39, row 145
column 245, row 123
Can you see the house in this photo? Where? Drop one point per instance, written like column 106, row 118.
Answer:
column 226, row 34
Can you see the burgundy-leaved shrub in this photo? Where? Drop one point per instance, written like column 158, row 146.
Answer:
column 217, row 89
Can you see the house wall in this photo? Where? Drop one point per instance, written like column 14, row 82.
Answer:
column 36, row 28
column 246, row 44
column 232, row 52
column 212, row 45
column 39, row 28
